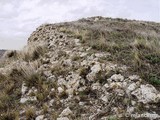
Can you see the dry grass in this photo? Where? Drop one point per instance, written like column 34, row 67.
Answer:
column 28, row 53
column 32, row 52
column 10, row 115
column 58, row 70
column 135, row 44
column 9, row 96
column 10, row 87
column 30, row 113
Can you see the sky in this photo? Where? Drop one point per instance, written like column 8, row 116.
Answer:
column 19, row 18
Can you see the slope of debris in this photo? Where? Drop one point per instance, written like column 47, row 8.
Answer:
column 72, row 81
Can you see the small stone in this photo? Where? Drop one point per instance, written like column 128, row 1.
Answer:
column 66, row 112
column 61, row 81
column 67, row 62
column 83, row 54
column 96, row 68
column 47, row 73
column 24, row 99
column 106, row 85
column 124, row 84
column 24, row 89
column 40, row 117
column 52, row 89
column 120, row 92
column 96, row 86
column 91, row 76
column 51, row 102
column 69, row 91
column 60, row 90
column 88, row 49
column 101, row 55
column 81, row 103
column 132, row 87
column 105, row 98
column 130, row 109
column 133, row 102
column 51, row 78
column 77, row 42
column 117, row 77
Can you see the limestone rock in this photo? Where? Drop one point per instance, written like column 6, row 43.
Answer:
column 96, row 68
column 66, row 112
column 25, row 99
column 146, row 94
column 134, row 77
column 117, row 77
column 24, row 88
column 40, row 117
column 132, row 87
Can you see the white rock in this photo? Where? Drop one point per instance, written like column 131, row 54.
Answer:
column 146, row 94
column 60, row 90
column 120, row 92
column 51, row 102
column 91, row 76
column 40, row 117
column 77, row 42
column 24, row 99
column 83, row 54
column 51, row 78
column 66, row 112
column 73, row 81
column 68, row 62
column 88, row 49
column 96, row 68
column 132, row 87
column 124, row 84
column 47, row 73
column 105, row 98
column 69, row 91
column 106, row 85
column 133, row 102
column 61, row 81
column 130, row 109
column 100, row 55
column 24, row 88
column 96, row 86
column 63, row 118
column 96, row 19
column 117, row 77
column 81, row 103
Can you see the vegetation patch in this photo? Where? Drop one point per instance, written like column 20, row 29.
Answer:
column 127, row 46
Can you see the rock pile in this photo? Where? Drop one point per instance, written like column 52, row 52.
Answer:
column 80, row 84
column 89, row 87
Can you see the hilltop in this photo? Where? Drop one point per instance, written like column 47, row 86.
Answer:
column 94, row 68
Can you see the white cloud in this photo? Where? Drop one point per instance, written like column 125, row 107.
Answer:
column 18, row 18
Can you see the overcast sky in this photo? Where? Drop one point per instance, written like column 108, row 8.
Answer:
column 18, row 18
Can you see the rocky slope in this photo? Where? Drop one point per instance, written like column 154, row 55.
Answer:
column 72, row 71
